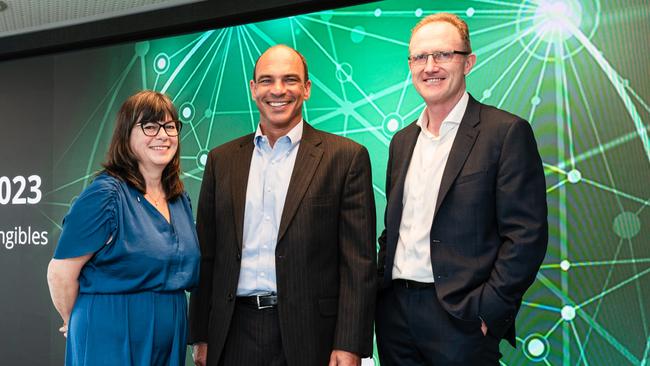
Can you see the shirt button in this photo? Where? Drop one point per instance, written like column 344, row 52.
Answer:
column 268, row 189
column 267, row 218
column 265, row 246
column 262, row 274
column 230, row 297
column 272, row 162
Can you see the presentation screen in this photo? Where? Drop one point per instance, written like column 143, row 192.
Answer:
column 577, row 70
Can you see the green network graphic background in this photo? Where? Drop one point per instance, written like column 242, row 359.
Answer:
column 577, row 70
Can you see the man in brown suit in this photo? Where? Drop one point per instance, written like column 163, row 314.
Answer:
column 286, row 224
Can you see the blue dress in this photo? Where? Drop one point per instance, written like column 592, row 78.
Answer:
column 131, row 309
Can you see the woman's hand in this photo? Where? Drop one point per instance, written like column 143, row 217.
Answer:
column 64, row 330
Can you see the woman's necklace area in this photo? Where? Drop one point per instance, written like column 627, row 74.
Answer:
column 156, row 200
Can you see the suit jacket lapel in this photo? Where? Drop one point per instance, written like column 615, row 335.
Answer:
column 309, row 156
column 402, row 156
column 239, row 181
column 465, row 138
column 401, row 159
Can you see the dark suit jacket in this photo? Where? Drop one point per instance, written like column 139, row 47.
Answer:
column 490, row 230
column 325, row 254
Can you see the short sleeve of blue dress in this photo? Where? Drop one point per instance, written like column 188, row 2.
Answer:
column 131, row 308
column 91, row 220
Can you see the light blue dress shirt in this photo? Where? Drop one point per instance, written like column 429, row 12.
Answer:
column 268, row 180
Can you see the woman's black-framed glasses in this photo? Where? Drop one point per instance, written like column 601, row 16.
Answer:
column 151, row 128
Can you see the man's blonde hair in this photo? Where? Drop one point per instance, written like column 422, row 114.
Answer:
column 452, row 19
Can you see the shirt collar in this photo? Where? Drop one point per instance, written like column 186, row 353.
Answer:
column 452, row 120
column 294, row 136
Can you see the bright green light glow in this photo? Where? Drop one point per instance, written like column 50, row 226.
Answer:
column 552, row 17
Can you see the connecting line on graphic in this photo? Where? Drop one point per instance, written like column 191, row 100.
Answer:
column 616, row 81
column 204, row 37
column 616, row 192
column 245, row 80
column 538, row 88
column 352, row 30
column 537, row 40
column 216, row 92
column 592, row 323
column 592, row 122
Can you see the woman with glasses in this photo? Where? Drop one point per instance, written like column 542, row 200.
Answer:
column 128, row 248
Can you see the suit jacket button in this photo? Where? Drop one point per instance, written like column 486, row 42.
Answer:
column 230, row 297
column 238, row 257
column 435, row 241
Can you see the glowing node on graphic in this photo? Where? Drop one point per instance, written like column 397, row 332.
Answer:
column 142, row 48
column 487, row 93
column 626, row 83
column 208, row 113
column 327, row 15
column 470, row 12
column 627, row 225
column 357, row 34
column 187, row 112
column 536, row 347
column 346, row 108
column 377, row 12
column 535, row 100
column 555, row 19
column 392, row 123
column 568, row 313
column 557, row 22
column 161, row 63
column 418, row 12
column 574, row 176
column 565, row 265
column 202, row 159
column 344, row 72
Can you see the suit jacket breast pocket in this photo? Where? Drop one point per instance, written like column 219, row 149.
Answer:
column 322, row 200
column 471, row 177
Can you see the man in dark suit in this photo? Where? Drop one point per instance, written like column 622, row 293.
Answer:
column 286, row 225
column 465, row 225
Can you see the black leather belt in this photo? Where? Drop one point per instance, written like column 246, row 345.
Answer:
column 260, row 301
column 412, row 284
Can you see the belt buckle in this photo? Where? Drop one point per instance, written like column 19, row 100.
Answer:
column 259, row 306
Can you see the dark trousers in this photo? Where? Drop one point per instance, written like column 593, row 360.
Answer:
column 253, row 338
column 414, row 329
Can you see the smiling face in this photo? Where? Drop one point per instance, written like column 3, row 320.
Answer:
column 153, row 153
column 279, row 88
column 440, row 85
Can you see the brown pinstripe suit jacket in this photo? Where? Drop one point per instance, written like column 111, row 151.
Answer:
column 325, row 254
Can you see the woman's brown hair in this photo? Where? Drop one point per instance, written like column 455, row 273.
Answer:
column 121, row 163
